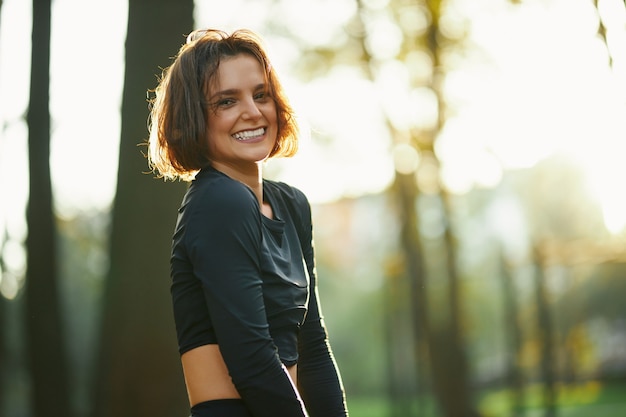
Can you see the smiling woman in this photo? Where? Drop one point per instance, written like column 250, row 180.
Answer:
column 250, row 332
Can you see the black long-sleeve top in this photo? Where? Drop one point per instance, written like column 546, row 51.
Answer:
column 248, row 283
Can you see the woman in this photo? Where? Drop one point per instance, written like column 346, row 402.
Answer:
column 250, row 332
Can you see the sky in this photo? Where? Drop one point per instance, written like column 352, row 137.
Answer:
column 540, row 85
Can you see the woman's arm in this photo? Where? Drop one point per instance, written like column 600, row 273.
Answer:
column 319, row 380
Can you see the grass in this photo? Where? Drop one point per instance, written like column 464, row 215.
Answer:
column 368, row 407
column 590, row 399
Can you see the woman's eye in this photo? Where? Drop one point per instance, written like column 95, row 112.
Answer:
column 261, row 96
column 225, row 102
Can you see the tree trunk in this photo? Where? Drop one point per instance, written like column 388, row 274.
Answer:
column 513, row 333
column 406, row 192
column 3, row 339
column 450, row 369
column 44, row 330
column 546, row 336
column 454, row 393
column 3, row 303
column 401, row 375
column 139, row 368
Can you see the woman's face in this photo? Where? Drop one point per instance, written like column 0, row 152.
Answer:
column 242, row 116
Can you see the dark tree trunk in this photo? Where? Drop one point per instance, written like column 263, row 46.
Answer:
column 546, row 336
column 515, row 380
column 2, row 315
column 3, row 336
column 401, row 375
column 454, row 393
column 451, row 377
column 44, row 330
column 139, row 368
column 406, row 193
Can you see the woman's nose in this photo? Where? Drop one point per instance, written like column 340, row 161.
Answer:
column 251, row 109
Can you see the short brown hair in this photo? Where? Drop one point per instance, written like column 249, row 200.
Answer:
column 178, row 147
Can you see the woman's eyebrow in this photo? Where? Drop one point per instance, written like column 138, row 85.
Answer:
column 234, row 91
column 228, row 92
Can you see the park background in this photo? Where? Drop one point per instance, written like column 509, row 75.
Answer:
column 464, row 159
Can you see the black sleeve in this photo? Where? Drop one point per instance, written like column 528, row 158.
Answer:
column 319, row 380
column 223, row 241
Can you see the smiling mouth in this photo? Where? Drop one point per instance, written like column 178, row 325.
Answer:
column 249, row 134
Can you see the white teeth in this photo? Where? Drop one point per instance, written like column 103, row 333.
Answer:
column 249, row 134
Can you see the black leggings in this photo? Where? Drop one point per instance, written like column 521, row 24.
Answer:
column 220, row 408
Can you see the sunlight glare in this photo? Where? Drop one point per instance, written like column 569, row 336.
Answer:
column 376, row 4
column 14, row 256
column 419, row 64
column 231, row 15
column 414, row 21
column 607, row 186
column 12, row 276
column 9, row 285
column 406, row 108
column 14, row 84
column 349, row 151
column 384, row 37
column 525, row 95
column 488, row 170
column 425, row 105
column 405, row 158
column 465, row 162
column 14, row 180
column 605, row 172
column 537, row 93
column 86, row 118
column 612, row 13
column 453, row 24
column 14, row 60
column 303, row 17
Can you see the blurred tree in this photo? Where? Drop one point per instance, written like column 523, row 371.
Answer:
column 2, row 303
column 560, row 212
column 513, row 335
column 546, row 334
column 602, row 32
column 558, row 205
column 438, row 342
column 401, row 392
column 599, row 294
column 43, row 324
column 451, row 375
column 441, row 335
column 138, row 369
column 352, row 265
column 404, row 191
column 2, row 308
column 83, row 254
column 3, row 326
column 547, row 195
column 594, row 294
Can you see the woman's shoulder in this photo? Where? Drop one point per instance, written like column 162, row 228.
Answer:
column 286, row 191
column 213, row 189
